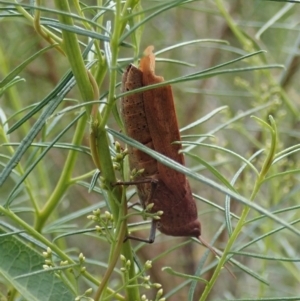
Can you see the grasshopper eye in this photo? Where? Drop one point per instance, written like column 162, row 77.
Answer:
column 158, row 225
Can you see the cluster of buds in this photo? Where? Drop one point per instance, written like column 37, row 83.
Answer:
column 125, row 264
column 147, row 212
column 81, row 258
column 145, row 280
column 157, row 297
column 104, row 221
column 48, row 259
column 136, row 173
column 119, row 157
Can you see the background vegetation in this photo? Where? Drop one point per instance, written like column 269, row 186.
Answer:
column 62, row 228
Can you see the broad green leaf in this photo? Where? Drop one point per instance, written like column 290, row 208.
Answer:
column 17, row 259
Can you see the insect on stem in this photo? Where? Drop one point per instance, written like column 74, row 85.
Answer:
column 150, row 118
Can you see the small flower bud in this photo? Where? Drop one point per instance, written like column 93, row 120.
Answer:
column 98, row 229
column 159, row 293
column 149, row 206
column 62, row 263
column 117, row 147
column 119, row 157
column 116, row 166
column 148, row 264
column 147, row 278
column 107, row 215
column 81, row 257
column 97, row 212
column 83, row 269
column 48, row 261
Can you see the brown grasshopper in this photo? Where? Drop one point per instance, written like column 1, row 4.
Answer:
column 150, row 118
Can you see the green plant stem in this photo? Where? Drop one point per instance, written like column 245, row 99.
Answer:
column 114, row 255
column 101, row 142
column 132, row 292
column 39, row 29
column 119, row 26
column 239, row 227
column 222, row 260
column 76, row 3
column 64, row 180
column 72, row 50
column 98, row 133
column 49, row 34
